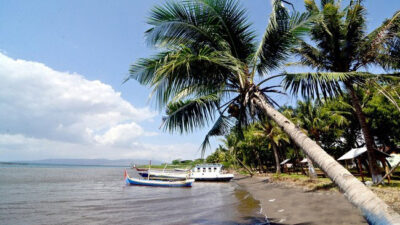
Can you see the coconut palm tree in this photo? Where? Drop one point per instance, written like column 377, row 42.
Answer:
column 340, row 47
column 315, row 119
column 206, row 71
column 231, row 144
column 269, row 130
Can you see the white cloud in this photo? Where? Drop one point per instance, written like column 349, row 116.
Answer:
column 51, row 114
column 40, row 102
column 122, row 135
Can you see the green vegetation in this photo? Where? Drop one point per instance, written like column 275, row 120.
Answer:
column 340, row 49
column 332, row 123
column 176, row 163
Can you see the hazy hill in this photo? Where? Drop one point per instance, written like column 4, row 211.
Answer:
column 88, row 162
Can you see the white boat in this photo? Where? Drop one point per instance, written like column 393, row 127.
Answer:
column 201, row 172
column 157, row 183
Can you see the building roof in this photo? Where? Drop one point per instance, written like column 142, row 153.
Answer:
column 355, row 152
column 304, row 160
column 285, row 161
column 394, row 159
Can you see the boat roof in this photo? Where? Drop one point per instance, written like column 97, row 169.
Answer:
column 209, row 165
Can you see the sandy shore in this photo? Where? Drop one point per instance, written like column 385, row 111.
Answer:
column 283, row 205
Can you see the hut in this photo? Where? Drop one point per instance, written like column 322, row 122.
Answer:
column 359, row 156
column 286, row 165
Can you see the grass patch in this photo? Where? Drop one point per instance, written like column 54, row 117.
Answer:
column 303, row 181
column 390, row 193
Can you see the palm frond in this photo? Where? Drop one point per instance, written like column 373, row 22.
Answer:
column 389, row 58
column 177, row 23
column 327, row 84
column 354, row 31
column 381, row 39
column 220, row 24
column 311, row 56
column 313, row 85
column 282, row 32
column 144, row 69
column 325, row 2
column 185, row 68
column 185, row 116
column 221, row 127
column 327, row 33
column 233, row 26
column 311, row 7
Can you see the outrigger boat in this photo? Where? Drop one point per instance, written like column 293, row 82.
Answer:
column 157, row 183
column 201, row 172
column 138, row 169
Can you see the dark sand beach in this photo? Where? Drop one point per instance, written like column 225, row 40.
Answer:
column 284, row 205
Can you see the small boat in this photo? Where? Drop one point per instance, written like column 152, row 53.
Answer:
column 157, row 183
column 201, row 172
column 138, row 169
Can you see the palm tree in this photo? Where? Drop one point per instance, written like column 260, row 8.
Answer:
column 340, row 48
column 315, row 119
column 275, row 135
column 205, row 72
column 230, row 143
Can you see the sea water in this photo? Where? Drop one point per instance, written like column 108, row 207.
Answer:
column 32, row 194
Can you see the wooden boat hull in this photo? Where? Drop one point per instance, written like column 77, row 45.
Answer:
column 158, row 183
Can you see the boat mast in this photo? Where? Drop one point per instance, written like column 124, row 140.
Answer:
column 148, row 172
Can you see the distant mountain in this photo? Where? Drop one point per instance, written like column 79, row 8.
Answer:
column 93, row 162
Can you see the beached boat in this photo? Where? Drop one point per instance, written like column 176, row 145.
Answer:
column 201, row 172
column 133, row 166
column 157, row 183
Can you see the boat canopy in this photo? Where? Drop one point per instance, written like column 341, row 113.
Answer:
column 208, row 168
column 209, row 165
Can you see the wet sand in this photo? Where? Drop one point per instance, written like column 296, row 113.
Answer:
column 283, row 205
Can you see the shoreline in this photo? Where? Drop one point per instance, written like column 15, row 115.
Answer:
column 290, row 205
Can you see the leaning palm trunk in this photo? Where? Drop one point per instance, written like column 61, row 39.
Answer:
column 374, row 209
column 245, row 167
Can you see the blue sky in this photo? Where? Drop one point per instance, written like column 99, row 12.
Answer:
column 95, row 40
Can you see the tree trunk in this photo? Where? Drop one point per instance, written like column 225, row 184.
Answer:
column 244, row 166
column 369, row 141
column 278, row 165
column 258, row 162
column 374, row 209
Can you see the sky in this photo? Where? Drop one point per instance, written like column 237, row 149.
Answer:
column 62, row 64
